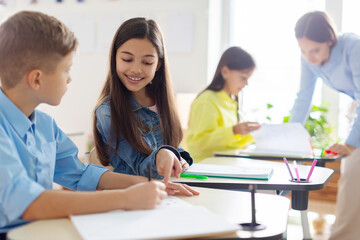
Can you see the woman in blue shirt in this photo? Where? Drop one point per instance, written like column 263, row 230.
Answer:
column 333, row 58
column 336, row 60
column 135, row 122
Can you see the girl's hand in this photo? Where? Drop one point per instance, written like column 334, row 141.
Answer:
column 184, row 165
column 167, row 164
column 144, row 195
column 341, row 149
column 245, row 128
column 180, row 189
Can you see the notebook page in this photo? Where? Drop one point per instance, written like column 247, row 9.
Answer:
column 218, row 170
column 159, row 223
column 290, row 138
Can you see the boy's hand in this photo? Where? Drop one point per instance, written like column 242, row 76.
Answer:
column 245, row 128
column 341, row 149
column 167, row 164
column 180, row 189
column 145, row 195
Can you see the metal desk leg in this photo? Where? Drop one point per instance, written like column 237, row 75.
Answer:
column 305, row 225
column 299, row 201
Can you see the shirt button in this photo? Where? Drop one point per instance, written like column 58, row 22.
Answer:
column 29, row 140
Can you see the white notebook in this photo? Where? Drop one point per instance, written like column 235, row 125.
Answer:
column 287, row 139
column 173, row 219
column 226, row 171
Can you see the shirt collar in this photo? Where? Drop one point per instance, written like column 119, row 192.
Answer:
column 225, row 96
column 134, row 104
column 15, row 116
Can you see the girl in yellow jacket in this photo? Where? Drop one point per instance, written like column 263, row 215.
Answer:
column 214, row 120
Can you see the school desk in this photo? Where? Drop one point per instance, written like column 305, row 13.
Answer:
column 321, row 161
column 230, row 205
column 280, row 180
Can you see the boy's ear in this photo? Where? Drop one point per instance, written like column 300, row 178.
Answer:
column 33, row 79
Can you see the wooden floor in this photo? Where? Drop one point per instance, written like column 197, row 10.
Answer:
column 320, row 213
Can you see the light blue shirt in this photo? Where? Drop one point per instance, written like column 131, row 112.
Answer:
column 341, row 72
column 34, row 152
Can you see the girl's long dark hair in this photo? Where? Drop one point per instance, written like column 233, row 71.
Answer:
column 123, row 120
column 235, row 58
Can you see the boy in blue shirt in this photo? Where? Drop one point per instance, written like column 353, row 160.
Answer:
column 36, row 53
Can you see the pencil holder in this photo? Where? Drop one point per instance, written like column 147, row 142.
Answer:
column 302, row 180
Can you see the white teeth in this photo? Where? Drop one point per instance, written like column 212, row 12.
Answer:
column 135, row 79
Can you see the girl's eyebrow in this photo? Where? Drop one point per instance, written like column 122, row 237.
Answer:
column 149, row 55
column 129, row 53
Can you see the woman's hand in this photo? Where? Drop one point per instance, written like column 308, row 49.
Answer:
column 168, row 165
column 341, row 149
column 245, row 128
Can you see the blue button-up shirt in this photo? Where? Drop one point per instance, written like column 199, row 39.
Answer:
column 127, row 159
column 34, row 152
column 341, row 72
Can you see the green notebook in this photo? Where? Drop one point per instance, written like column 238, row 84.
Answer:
column 225, row 171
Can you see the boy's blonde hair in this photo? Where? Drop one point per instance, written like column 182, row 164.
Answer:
column 32, row 40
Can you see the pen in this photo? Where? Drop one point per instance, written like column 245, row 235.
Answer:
column 287, row 165
column 311, row 170
column 193, row 176
column 330, row 152
column 149, row 171
column 296, row 171
column 322, row 152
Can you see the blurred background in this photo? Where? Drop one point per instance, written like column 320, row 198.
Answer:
column 196, row 33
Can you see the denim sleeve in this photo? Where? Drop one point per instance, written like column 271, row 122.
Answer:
column 185, row 155
column 302, row 105
column 354, row 63
column 136, row 161
column 17, row 190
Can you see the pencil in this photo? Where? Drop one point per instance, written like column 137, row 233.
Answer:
column 149, row 171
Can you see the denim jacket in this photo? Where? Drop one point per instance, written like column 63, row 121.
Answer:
column 127, row 159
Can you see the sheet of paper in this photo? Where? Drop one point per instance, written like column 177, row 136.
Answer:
column 161, row 223
column 172, row 201
column 282, row 138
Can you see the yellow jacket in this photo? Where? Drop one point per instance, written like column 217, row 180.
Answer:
column 212, row 117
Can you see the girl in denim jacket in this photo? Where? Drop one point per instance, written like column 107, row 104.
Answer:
column 136, row 123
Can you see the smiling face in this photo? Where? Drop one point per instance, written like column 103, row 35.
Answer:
column 235, row 80
column 315, row 53
column 136, row 64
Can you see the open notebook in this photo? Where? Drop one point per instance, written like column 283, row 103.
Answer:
column 173, row 219
column 225, row 171
column 287, row 139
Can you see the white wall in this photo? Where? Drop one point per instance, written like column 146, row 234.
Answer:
column 94, row 23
